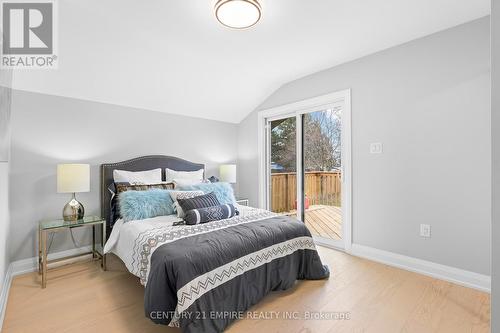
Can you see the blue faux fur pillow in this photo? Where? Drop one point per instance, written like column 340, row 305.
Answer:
column 140, row 205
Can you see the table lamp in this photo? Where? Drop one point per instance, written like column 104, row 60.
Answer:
column 228, row 173
column 73, row 178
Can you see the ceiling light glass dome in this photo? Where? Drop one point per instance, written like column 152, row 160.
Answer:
column 238, row 14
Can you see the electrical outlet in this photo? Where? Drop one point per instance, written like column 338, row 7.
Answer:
column 376, row 148
column 425, row 230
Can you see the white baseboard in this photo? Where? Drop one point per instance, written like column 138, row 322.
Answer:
column 438, row 271
column 27, row 266
column 4, row 295
column 31, row 264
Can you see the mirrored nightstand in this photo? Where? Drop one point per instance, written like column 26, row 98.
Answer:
column 46, row 227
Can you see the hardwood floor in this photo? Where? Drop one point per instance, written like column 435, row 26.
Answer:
column 377, row 298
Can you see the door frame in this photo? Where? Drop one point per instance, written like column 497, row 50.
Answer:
column 298, row 109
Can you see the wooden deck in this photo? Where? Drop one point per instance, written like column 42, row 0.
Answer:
column 324, row 221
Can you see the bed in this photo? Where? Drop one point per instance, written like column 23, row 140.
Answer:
column 202, row 277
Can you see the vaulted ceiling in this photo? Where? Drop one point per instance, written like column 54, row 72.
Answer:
column 173, row 56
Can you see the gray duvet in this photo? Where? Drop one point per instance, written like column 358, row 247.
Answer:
column 195, row 281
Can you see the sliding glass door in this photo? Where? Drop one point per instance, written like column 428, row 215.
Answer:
column 307, row 151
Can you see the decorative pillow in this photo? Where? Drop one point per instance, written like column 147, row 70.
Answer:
column 208, row 214
column 182, row 195
column 140, row 205
column 223, row 191
column 117, row 188
column 193, row 175
column 143, row 177
column 122, row 187
column 201, row 201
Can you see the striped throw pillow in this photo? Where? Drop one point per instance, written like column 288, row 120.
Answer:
column 201, row 201
column 176, row 195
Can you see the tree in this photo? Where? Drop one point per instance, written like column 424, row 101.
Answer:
column 283, row 144
column 322, row 141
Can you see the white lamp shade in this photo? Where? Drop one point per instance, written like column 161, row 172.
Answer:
column 73, row 178
column 228, row 173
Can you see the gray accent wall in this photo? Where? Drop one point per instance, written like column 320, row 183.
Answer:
column 428, row 102
column 495, row 135
column 5, row 101
column 48, row 130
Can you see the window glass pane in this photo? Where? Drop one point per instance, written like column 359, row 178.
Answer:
column 322, row 172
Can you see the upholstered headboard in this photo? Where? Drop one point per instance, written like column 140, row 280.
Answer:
column 138, row 164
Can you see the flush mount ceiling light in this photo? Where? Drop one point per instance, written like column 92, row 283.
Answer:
column 238, row 14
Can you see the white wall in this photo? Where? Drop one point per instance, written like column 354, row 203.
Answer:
column 495, row 135
column 428, row 102
column 248, row 169
column 47, row 130
column 5, row 94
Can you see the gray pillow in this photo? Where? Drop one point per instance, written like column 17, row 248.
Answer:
column 201, row 201
column 176, row 195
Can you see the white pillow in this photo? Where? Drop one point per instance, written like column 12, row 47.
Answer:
column 140, row 177
column 183, row 195
column 193, row 175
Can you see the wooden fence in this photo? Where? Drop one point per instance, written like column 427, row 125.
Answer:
column 321, row 187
